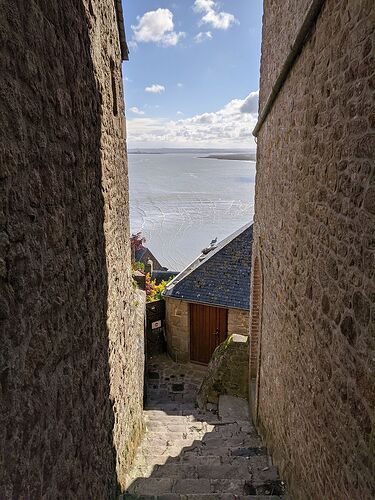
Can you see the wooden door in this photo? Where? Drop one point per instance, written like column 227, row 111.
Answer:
column 208, row 328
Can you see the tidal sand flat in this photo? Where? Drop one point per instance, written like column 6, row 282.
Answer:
column 181, row 202
column 232, row 156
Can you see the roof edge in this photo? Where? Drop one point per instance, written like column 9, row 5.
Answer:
column 209, row 304
column 185, row 272
column 121, row 31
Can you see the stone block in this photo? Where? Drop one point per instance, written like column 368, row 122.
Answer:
column 227, row 372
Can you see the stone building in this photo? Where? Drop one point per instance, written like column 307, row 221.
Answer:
column 71, row 357
column 313, row 299
column 210, row 299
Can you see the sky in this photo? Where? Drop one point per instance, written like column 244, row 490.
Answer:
column 192, row 78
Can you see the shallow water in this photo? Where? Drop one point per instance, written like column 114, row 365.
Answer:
column 181, row 202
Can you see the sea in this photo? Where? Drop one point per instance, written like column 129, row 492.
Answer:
column 180, row 201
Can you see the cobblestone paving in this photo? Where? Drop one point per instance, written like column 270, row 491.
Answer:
column 192, row 454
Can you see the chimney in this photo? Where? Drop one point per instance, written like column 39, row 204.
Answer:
column 149, row 267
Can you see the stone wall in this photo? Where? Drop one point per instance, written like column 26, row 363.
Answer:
column 238, row 322
column 275, row 49
column 314, row 230
column 71, row 346
column 178, row 327
column 127, row 361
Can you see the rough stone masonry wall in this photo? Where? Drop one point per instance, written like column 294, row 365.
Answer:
column 71, row 405
column 177, row 329
column 238, row 322
column 314, row 228
column 275, row 49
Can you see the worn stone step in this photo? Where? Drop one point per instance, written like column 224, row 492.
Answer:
column 180, row 410
column 244, row 469
column 160, row 486
column 209, row 496
column 205, row 442
column 197, row 460
column 189, row 471
column 242, row 487
column 221, row 449
column 176, row 426
column 173, row 406
column 181, row 418
column 213, row 441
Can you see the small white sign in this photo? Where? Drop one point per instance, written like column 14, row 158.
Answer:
column 156, row 324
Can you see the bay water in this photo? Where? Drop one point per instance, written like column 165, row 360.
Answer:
column 180, row 202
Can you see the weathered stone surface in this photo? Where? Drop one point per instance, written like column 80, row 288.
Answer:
column 233, row 409
column 192, row 453
column 314, row 233
column 71, row 350
column 238, row 322
column 177, row 329
column 228, row 371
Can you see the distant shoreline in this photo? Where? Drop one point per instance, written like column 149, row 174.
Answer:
column 196, row 151
column 233, row 156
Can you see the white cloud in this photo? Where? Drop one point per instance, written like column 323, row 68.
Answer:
column 218, row 20
column 155, row 88
column 212, row 15
column 157, row 26
column 132, row 44
column 137, row 111
column 180, row 85
column 203, row 5
column 179, row 113
column 251, row 103
column 230, row 126
column 203, row 35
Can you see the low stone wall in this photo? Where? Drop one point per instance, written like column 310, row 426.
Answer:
column 178, row 329
column 238, row 322
column 227, row 372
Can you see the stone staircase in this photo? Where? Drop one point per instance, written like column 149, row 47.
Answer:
column 188, row 453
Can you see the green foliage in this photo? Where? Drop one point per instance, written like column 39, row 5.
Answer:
column 138, row 266
column 221, row 348
column 154, row 291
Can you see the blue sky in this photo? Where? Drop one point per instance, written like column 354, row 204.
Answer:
column 193, row 74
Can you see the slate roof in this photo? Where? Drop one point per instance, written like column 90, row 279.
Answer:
column 222, row 277
column 143, row 254
column 159, row 276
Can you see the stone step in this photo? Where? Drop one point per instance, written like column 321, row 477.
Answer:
column 205, row 441
column 209, row 496
column 186, row 471
column 161, row 486
column 193, row 454
column 177, row 426
column 164, row 486
column 179, row 410
column 238, row 468
column 204, row 467
column 198, row 460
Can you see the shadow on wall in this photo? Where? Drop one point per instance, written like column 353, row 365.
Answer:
column 56, row 413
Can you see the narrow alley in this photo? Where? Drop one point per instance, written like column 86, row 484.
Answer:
column 188, row 453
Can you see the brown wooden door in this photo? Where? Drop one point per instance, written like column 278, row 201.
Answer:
column 208, row 328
